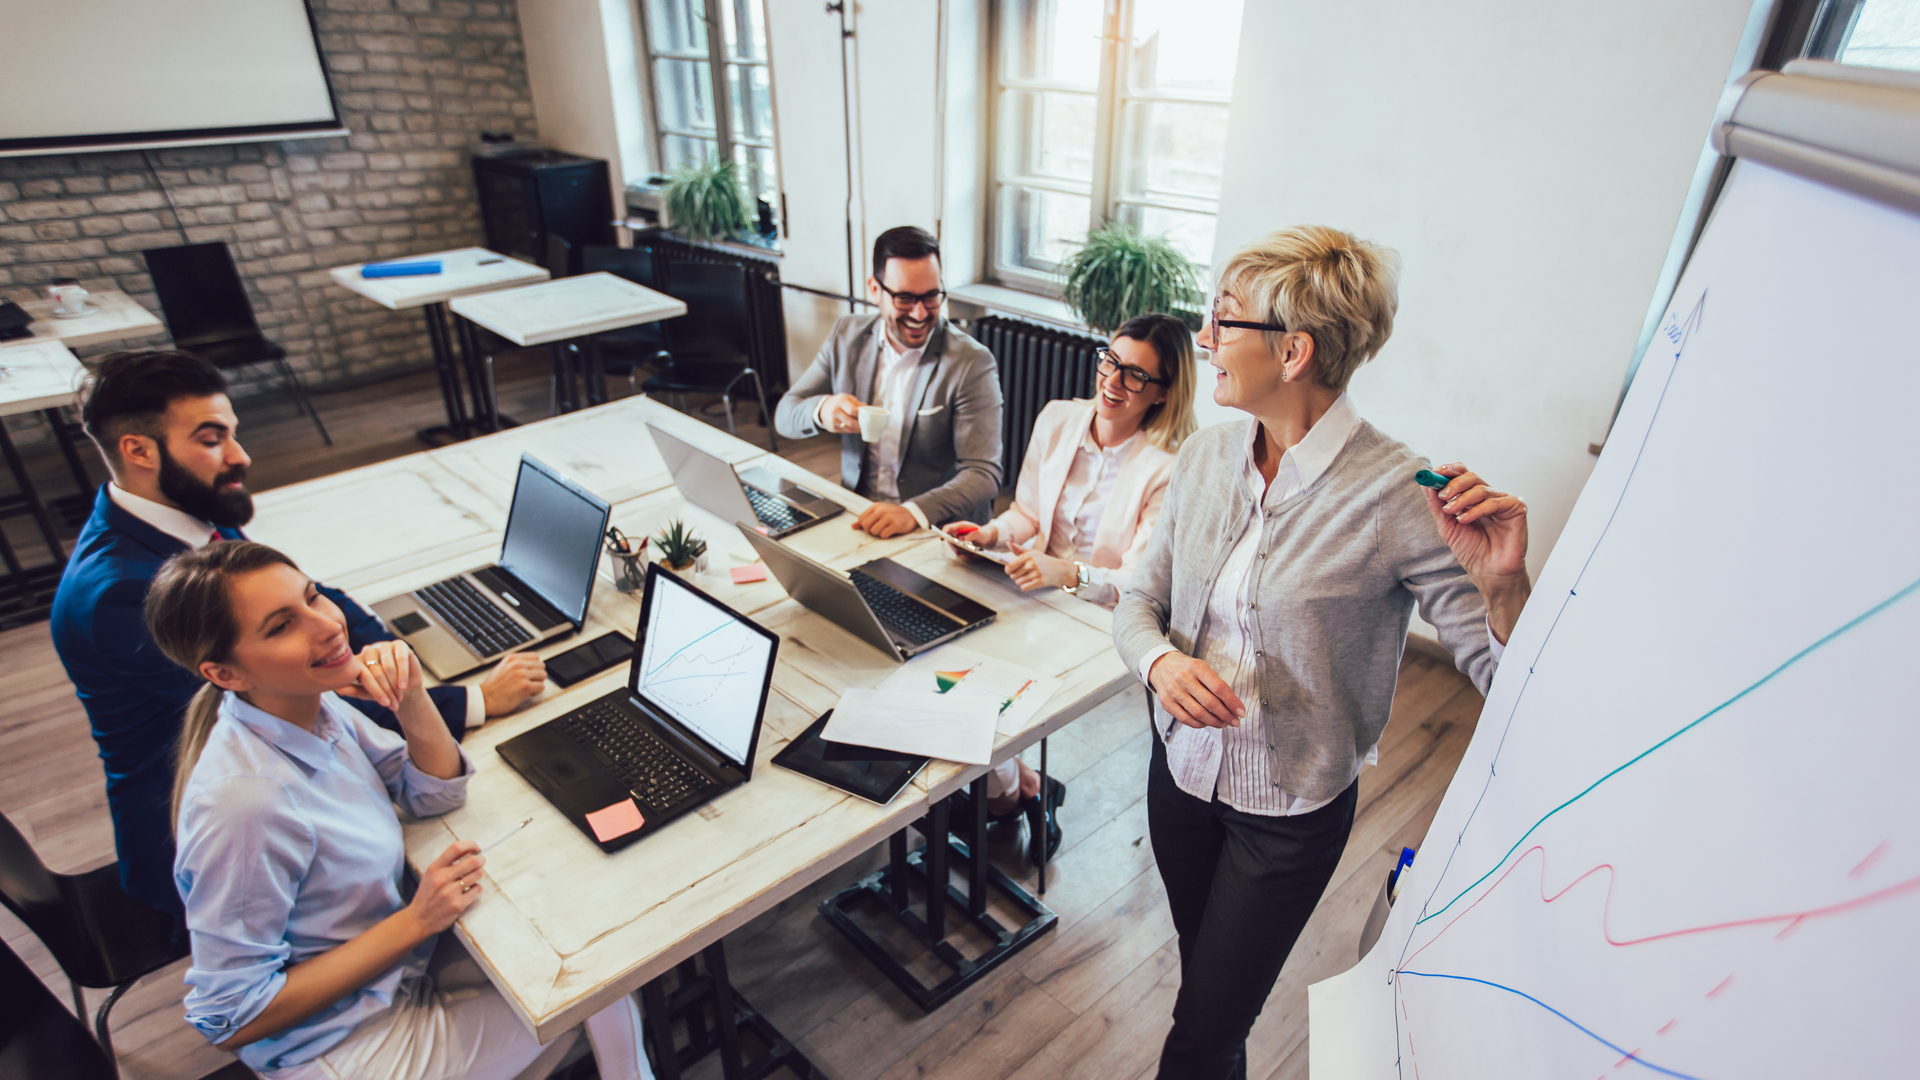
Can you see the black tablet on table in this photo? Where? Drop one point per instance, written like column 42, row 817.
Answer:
column 874, row 775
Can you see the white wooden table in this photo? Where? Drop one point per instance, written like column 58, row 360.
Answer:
column 565, row 929
column 463, row 272
column 555, row 314
column 39, row 375
column 116, row 318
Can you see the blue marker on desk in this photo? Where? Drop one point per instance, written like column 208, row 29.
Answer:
column 400, row 269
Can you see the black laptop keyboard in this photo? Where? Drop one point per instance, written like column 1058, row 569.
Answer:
column 485, row 628
column 900, row 613
column 639, row 758
column 772, row 512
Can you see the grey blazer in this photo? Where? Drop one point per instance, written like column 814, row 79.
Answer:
column 950, row 460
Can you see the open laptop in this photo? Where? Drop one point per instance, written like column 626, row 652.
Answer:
column 888, row 606
column 712, row 484
column 683, row 729
column 538, row 590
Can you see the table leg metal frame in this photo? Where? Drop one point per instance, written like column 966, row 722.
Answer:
column 32, row 587
column 487, row 417
column 446, row 364
column 688, row 1002
column 889, row 889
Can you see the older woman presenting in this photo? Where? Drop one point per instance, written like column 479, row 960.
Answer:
column 1269, row 613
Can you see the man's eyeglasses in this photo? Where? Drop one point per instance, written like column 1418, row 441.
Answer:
column 1219, row 322
column 1131, row 377
column 904, row 301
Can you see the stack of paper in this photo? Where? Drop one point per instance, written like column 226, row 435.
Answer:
column 957, row 728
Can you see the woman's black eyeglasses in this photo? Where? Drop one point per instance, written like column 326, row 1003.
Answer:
column 1219, row 322
column 1131, row 377
column 904, row 301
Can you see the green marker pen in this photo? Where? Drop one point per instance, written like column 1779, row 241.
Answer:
column 1431, row 479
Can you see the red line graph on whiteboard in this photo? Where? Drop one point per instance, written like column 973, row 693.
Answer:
column 1791, row 919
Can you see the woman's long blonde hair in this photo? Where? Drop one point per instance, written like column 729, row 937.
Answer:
column 189, row 612
column 1169, row 423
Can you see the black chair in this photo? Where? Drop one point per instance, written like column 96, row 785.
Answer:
column 208, row 314
column 560, row 256
column 98, row 934
column 39, row 1039
column 626, row 351
column 710, row 351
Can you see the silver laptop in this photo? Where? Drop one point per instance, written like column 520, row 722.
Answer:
column 538, row 590
column 712, row 484
column 888, row 606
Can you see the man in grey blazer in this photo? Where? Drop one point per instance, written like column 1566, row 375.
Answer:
column 938, row 458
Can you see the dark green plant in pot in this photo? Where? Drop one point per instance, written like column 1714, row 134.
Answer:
column 678, row 547
column 1119, row 273
column 708, row 202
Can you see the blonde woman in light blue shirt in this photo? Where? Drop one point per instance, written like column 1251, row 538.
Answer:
column 308, row 959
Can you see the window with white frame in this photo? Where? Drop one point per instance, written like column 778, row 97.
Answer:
column 692, row 69
column 1107, row 110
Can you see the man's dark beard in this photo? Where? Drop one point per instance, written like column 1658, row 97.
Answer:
column 209, row 503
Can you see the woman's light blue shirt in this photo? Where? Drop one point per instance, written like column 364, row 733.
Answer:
column 288, row 847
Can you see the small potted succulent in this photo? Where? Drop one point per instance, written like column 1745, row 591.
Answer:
column 679, row 549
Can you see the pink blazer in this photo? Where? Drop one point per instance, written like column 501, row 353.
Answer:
column 1125, row 523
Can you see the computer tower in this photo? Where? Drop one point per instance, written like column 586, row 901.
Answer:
column 527, row 197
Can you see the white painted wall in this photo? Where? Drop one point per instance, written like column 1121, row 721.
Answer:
column 582, row 69
column 1527, row 160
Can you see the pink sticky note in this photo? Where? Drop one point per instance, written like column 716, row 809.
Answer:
column 744, row 575
column 762, row 530
column 617, row 820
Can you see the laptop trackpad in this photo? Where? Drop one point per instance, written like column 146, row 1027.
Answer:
column 410, row 623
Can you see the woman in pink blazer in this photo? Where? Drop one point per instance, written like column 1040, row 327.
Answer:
column 1095, row 475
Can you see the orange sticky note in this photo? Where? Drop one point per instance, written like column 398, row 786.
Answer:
column 744, row 575
column 617, row 820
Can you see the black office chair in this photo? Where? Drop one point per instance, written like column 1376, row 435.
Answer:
column 627, row 350
column 100, row 936
column 207, row 311
column 709, row 347
column 39, row 1039
column 561, row 261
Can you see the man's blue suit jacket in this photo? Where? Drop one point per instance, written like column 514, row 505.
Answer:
column 137, row 699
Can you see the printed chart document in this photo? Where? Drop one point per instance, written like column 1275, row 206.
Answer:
column 1016, row 691
column 955, row 727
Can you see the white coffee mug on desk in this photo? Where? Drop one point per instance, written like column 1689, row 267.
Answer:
column 873, row 423
column 69, row 300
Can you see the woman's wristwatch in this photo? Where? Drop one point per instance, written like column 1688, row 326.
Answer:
column 1083, row 578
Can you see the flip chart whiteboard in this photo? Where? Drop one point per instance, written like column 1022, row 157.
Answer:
column 1685, row 840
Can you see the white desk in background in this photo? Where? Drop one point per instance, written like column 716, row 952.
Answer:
column 463, row 272
column 115, row 317
column 565, row 929
column 39, row 375
column 556, row 313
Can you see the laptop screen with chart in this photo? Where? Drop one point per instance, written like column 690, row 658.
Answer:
column 704, row 666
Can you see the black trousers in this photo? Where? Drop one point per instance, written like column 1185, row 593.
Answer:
column 1241, row 887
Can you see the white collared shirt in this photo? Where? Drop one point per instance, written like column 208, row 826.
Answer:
column 1233, row 762
column 175, row 522
column 1091, row 478
column 197, row 534
column 892, row 382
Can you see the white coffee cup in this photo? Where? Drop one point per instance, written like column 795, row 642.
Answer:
column 72, row 299
column 873, row 423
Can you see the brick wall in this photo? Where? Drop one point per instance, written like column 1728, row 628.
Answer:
column 416, row 80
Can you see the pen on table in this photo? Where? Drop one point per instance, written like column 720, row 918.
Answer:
column 505, row 836
column 489, row 262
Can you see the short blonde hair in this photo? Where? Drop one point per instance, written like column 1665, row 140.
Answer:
column 1340, row 290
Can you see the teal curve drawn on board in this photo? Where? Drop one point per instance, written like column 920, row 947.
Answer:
column 1430, row 479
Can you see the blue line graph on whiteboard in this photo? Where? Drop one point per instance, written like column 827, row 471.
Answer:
column 1685, row 841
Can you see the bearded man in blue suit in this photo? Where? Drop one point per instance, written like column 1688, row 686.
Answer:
column 164, row 424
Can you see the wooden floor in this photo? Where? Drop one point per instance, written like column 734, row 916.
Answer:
column 1090, row 999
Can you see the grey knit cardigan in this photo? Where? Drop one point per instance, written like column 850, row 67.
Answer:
column 1340, row 568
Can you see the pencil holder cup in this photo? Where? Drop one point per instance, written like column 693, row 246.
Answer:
column 629, row 561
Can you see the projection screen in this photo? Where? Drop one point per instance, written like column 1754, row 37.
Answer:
column 87, row 75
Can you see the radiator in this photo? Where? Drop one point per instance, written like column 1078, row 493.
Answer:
column 1038, row 364
column 768, row 332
